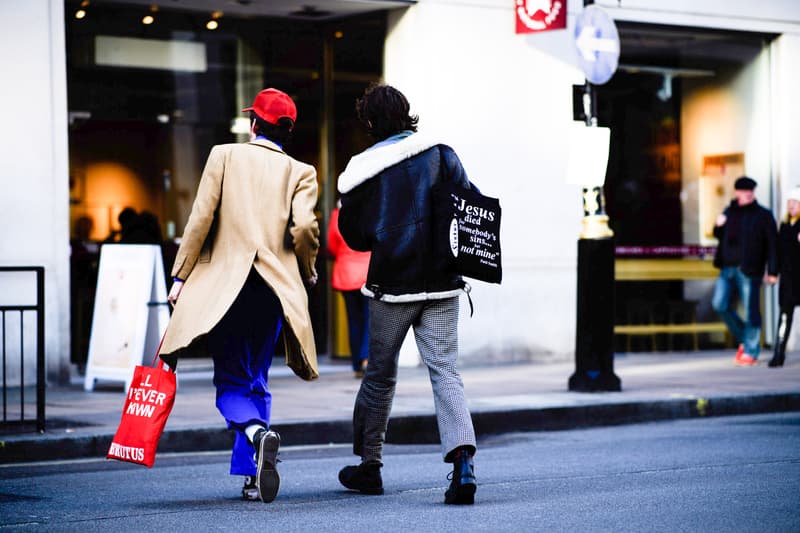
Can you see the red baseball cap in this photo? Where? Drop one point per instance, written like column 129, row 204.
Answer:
column 272, row 105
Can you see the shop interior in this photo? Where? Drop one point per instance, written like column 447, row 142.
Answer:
column 151, row 91
column 665, row 184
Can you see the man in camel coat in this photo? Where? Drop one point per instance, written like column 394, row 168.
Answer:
column 249, row 245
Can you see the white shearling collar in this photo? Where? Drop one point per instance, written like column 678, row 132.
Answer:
column 369, row 163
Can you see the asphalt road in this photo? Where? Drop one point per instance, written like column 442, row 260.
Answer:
column 737, row 473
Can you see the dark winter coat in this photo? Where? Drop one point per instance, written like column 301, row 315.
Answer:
column 387, row 209
column 789, row 264
column 756, row 239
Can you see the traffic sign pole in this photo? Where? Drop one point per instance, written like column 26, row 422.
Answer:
column 594, row 335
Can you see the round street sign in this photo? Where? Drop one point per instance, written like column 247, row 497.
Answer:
column 597, row 41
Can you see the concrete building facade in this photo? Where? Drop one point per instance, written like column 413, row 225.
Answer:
column 504, row 101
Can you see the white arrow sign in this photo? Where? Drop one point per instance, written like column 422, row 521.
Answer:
column 597, row 44
column 588, row 45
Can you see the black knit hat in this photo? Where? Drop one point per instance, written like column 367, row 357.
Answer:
column 744, row 184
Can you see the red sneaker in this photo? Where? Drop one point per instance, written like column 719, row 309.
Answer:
column 739, row 353
column 746, row 360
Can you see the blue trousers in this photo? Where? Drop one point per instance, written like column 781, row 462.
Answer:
column 242, row 345
column 747, row 330
column 357, row 306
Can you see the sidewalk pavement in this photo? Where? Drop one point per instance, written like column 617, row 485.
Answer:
column 503, row 398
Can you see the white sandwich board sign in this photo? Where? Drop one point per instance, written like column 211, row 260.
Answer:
column 130, row 312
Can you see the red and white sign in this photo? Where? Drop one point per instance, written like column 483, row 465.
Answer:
column 540, row 15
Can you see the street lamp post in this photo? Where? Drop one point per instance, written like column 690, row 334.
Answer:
column 594, row 335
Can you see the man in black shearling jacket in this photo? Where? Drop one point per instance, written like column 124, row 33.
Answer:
column 387, row 210
column 389, row 214
column 747, row 242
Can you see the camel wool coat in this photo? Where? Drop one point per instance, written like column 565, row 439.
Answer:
column 254, row 209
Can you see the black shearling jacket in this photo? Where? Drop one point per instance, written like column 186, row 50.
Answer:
column 387, row 210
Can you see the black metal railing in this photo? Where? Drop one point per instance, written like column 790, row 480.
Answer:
column 11, row 389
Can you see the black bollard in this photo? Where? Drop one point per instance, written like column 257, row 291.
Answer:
column 594, row 336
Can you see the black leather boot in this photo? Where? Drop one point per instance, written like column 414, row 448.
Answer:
column 462, row 483
column 781, row 339
column 776, row 361
column 365, row 478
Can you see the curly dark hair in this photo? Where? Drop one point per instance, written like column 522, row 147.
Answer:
column 385, row 111
column 280, row 133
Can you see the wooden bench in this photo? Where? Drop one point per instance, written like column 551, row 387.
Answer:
column 673, row 269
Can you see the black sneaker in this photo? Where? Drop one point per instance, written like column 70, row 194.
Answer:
column 266, row 443
column 365, row 478
column 250, row 491
column 462, row 480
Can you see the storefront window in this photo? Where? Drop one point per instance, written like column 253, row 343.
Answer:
column 147, row 101
column 681, row 109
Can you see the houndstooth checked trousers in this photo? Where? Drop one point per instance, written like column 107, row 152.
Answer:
column 435, row 324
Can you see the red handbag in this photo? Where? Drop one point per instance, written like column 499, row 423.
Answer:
column 147, row 407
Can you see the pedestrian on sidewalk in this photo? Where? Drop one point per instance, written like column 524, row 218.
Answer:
column 238, row 285
column 747, row 243
column 387, row 209
column 789, row 274
column 349, row 275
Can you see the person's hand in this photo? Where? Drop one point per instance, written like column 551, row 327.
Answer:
column 771, row 280
column 174, row 292
column 721, row 220
column 312, row 281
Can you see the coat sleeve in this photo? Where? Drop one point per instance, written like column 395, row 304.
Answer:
column 201, row 217
column 719, row 231
column 353, row 223
column 453, row 169
column 771, row 239
column 305, row 228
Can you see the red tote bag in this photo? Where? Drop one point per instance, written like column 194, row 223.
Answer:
column 147, row 407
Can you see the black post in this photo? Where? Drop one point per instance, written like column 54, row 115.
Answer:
column 594, row 335
column 40, row 357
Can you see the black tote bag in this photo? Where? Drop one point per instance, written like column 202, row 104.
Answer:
column 466, row 227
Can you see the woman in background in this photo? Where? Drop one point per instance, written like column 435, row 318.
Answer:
column 349, row 275
column 789, row 274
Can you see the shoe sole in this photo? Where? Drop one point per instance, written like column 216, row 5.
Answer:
column 370, row 492
column 267, row 479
